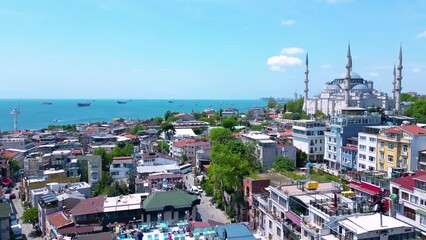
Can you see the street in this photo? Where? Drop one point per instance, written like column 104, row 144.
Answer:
column 27, row 229
column 206, row 209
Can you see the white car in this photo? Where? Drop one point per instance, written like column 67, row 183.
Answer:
column 200, row 190
column 194, row 189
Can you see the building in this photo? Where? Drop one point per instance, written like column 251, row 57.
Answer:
column 187, row 148
column 351, row 90
column 343, row 127
column 123, row 208
column 202, row 158
column 422, row 160
column 287, row 151
column 88, row 211
column 409, row 203
column 170, row 206
column 229, row 112
column 91, row 168
column 278, row 214
column 5, row 212
column 308, row 136
column 121, row 166
column 367, row 147
column 399, row 147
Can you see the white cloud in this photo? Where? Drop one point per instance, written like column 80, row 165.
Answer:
column 278, row 63
column 422, row 34
column 326, row 66
column 287, row 22
column 292, row 51
column 417, row 70
column 373, row 74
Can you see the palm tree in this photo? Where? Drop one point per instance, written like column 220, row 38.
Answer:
column 166, row 128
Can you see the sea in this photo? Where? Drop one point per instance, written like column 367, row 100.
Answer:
column 34, row 114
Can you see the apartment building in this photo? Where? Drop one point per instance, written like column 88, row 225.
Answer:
column 308, row 136
column 342, row 127
column 399, row 147
column 367, row 147
column 409, row 205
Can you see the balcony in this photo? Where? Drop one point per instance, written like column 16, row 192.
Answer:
column 311, row 227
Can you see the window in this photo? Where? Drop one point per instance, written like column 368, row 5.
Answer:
column 320, row 149
column 371, row 149
column 372, row 139
column 382, row 156
column 320, row 140
column 422, row 219
column 362, row 156
column 390, row 158
column 390, row 146
column 404, row 195
column 372, row 159
column 362, row 138
column 414, row 199
column 270, row 224
column 362, row 147
column 316, row 141
column 278, row 232
column 405, row 148
column 382, row 144
column 423, row 202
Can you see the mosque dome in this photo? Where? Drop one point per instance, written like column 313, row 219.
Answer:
column 353, row 75
column 360, row 87
column 332, row 87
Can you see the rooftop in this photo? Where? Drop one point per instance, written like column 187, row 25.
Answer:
column 408, row 181
column 89, row 206
column 176, row 198
column 5, row 210
column 58, row 219
column 368, row 223
column 122, row 203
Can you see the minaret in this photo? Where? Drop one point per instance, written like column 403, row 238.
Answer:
column 306, row 84
column 394, row 82
column 347, row 80
column 398, row 82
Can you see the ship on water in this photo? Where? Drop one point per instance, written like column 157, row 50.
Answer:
column 170, row 101
column 84, row 104
column 47, row 103
column 121, row 102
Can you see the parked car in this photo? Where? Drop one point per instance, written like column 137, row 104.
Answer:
column 12, row 196
column 13, row 217
column 200, row 190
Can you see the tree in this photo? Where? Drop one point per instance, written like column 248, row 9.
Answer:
column 229, row 122
column 220, row 135
column 301, row 158
column 106, row 157
column 417, row 110
column 118, row 188
column 136, row 129
column 209, row 120
column 163, row 146
column 198, row 131
column 405, row 97
column 14, row 166
column 101, row 188
column 167, row 128
column 168, row 114
column 272, row 103
column 184, row 158
column 283, row 164
column 30, row 216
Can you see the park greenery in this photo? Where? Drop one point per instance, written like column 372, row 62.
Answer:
column 283, row 164
column 272, row 103
column 30, row 216
column 294, row 110
column 417, row 110
column 163, row 146
column 136, row 129
column 231, row 161
column 121, row 150
column 69, row 127
column 229, row 122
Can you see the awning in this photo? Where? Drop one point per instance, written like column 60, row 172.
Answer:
column 6, row 181
column 421, row 211
column 294, row 218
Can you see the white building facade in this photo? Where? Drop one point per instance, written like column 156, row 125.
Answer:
column 308, row 136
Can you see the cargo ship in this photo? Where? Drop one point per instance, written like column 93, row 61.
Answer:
column 85, row 104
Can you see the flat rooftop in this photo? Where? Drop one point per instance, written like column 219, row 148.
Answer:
column 297, row 190
column 369, row 223
column 122, row 203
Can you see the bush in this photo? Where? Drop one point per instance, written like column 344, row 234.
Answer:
column 283, row 164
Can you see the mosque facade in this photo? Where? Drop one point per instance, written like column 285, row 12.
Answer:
column 352, row 91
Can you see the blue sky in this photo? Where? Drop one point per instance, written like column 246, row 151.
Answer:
column 206, row 49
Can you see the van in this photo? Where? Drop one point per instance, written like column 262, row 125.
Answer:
column 194, row 189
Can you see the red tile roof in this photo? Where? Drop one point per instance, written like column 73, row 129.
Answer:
column 130, row 136
column 9, row 154
column 351, row 147
column 413, row 129
column 393, row 130
column 89, row 206
column 408, row 181
column 183, row 142
column 58, row 219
